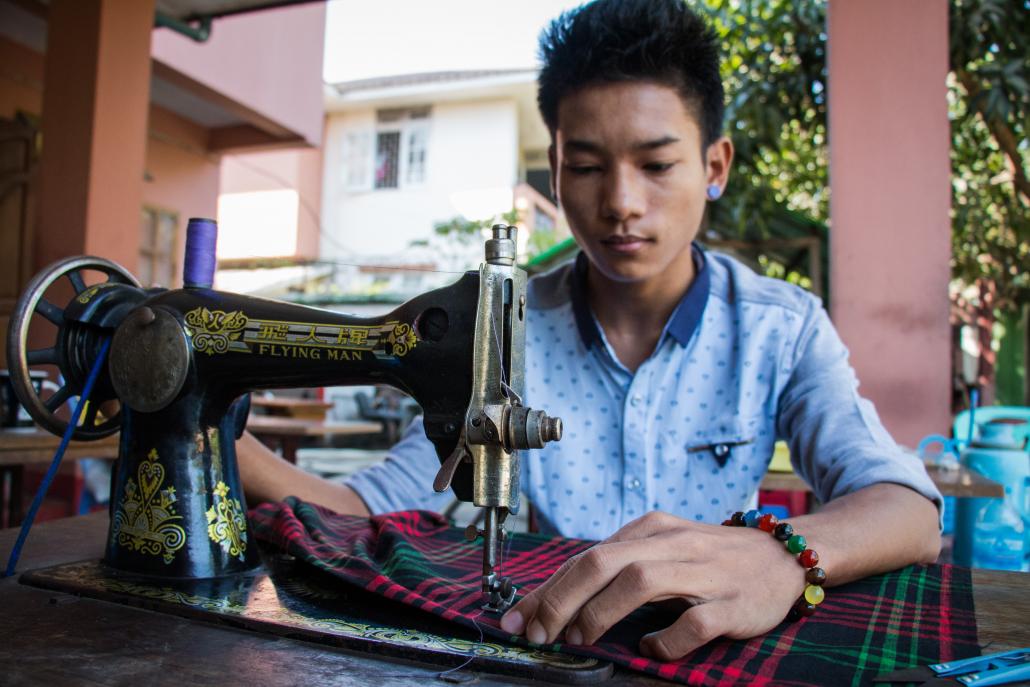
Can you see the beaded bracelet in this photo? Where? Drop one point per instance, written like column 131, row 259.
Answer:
column 796, row 544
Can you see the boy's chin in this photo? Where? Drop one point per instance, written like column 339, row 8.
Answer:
column 629, row 271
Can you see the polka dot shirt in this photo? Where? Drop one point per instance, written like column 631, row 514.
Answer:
column 744, row 360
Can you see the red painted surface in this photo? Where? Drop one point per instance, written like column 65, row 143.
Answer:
column 95, row 105
column 889, row 175
column 268, row 62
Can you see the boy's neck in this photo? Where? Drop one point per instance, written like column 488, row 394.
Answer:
column 633, row 314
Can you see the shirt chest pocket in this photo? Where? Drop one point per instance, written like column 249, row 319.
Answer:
column 740, row 439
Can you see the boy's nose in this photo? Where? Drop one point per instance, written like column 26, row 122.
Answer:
column 623, row 196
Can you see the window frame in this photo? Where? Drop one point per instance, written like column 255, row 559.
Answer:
column 152, row 254
column 411, row 124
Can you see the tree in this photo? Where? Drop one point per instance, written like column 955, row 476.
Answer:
column 775, row 73
column 989, row 96
column 774, row 70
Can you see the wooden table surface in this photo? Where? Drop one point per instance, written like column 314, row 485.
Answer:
column 288, row 432
column 959, row 482
column 25, row 445
column 291, row 407
column 303, row 427
column 51, row 638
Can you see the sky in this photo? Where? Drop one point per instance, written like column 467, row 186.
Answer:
column 369, row 38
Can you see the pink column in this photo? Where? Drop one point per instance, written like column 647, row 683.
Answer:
column 95, row 100
column 890, row 237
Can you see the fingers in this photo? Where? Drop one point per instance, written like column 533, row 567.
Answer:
column 546, row 610
column 549, row 609
column 514, row 620
column 695, row 628
column 638, row 583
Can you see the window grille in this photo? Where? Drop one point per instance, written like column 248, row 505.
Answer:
column 388, row 145
column 159, row 231
column 356, row 160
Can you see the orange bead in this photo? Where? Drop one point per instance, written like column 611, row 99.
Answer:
column 809, row 558
column 768, row 522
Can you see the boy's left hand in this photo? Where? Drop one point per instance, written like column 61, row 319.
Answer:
column 739, row 582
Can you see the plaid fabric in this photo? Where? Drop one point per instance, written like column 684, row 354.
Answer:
column 914, row 616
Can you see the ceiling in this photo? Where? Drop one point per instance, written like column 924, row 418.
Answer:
column 24, row 22
column 195, row 9
column 192, row 9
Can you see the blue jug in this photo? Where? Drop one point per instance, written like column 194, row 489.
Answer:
column 998, row 453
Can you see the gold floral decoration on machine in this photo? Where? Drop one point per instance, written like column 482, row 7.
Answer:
column 214, row 330
column 145, row 520
column 227, row 524
column 402, row 339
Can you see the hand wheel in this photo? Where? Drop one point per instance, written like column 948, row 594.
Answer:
column 20, row 359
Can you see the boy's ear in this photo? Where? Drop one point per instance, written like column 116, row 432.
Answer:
column 552, row 160
column 718, row 159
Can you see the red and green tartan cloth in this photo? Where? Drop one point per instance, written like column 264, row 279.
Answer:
column 915, row 616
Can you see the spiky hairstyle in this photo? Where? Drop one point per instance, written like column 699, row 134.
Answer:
column 661, row 41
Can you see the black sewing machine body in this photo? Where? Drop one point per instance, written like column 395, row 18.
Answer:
column 181, row 363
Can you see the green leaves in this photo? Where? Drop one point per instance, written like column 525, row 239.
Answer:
column 774, row 69
column 989, row 94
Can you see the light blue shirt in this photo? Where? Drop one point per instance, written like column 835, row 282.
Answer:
column 743, row 361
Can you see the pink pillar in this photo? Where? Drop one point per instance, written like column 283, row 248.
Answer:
column 95, row 101
column 889, row 171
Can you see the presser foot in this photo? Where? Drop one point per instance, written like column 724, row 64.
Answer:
column 499, row 593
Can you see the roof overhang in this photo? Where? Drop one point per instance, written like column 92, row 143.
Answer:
column 234, row 125
column 410, row 90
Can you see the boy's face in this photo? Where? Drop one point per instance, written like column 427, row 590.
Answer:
column 629, row 172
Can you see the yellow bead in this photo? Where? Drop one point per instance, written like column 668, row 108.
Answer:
column 814, row 594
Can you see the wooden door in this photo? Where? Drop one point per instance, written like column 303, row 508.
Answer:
column 18, row 156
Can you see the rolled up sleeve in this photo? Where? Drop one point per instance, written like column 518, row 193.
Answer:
column 404, row 480
column 837, row 443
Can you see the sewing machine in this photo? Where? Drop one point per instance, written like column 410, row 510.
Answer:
column 182, row 362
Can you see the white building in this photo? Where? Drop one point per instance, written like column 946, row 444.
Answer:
column 403, row 153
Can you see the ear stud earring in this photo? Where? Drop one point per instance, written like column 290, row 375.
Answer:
column 714, row 191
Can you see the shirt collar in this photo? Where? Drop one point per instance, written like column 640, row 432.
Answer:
column 681, row 325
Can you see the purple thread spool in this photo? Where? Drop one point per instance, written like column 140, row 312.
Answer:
column 198, row 270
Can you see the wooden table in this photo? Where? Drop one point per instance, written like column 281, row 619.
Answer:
column 52, row 638
column 31, row 445
column 292, row 407
column 960, row 482
column 21, row 446
column 288, row 432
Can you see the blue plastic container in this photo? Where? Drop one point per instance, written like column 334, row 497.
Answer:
column 999, row 452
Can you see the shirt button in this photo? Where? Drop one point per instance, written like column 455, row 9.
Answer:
column 634, row 484
column 721, row 450
column 636, row 399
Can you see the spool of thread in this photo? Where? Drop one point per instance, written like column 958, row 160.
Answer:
column 198, row 270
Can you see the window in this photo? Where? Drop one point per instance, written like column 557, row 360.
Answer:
column 356, row 152
column 416, row 173
column 158, row 239
column 388, row 146
column 400, row 155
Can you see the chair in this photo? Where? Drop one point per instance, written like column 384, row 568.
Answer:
column 392, row 419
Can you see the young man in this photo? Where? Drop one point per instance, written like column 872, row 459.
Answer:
column 673, row 369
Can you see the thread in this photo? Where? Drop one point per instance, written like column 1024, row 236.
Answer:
column 26, row 525
column 198, row 270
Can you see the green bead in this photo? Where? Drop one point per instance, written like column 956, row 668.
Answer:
column 796, row 544
column 814, row 594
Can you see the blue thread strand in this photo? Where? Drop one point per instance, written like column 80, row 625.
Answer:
column 52, row 471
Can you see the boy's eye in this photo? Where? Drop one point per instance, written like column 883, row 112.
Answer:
column 658, row 166
column 582, row 169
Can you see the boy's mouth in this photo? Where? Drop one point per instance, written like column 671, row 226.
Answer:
column 625, row 243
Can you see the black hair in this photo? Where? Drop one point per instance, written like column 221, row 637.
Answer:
column 662, row 41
